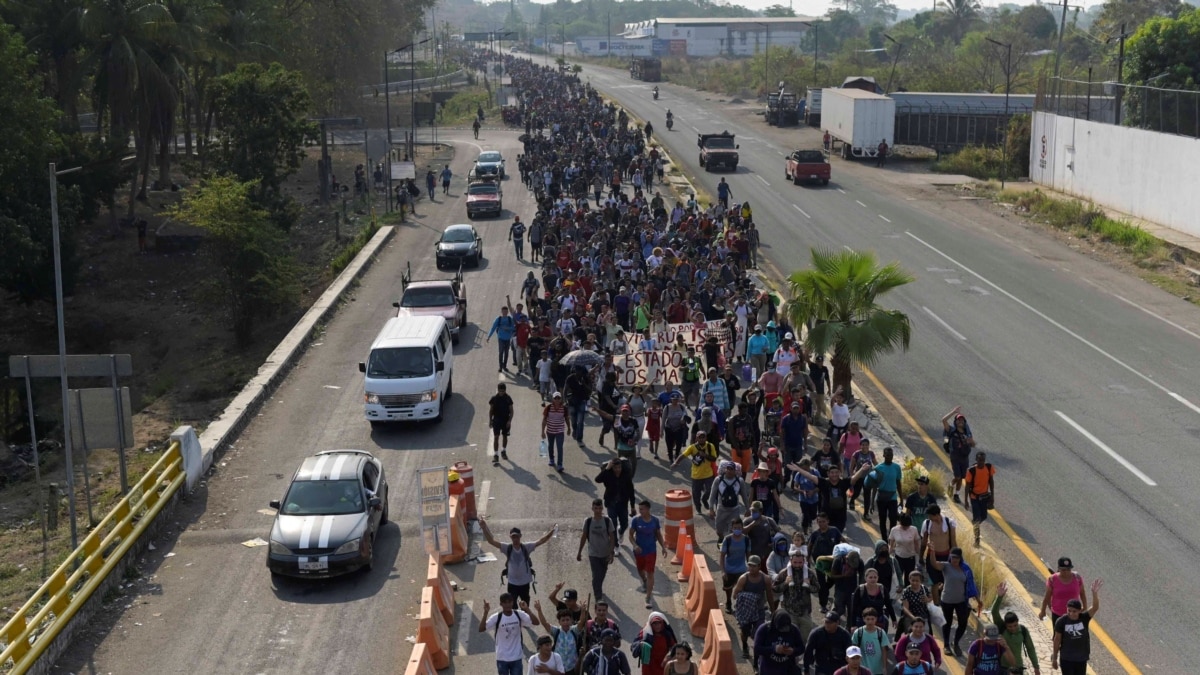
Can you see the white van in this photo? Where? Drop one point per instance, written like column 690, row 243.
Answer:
column 409, row 372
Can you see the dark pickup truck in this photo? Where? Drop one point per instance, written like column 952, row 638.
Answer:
column 718, row 150
column 805, row 165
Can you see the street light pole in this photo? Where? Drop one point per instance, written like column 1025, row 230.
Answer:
column 816, row 45
column 899, row 48
column 387, row 110
column 68, row 450
column 1007, row 89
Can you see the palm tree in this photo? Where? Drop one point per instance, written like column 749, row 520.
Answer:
column 838, row 298
column 961, row 13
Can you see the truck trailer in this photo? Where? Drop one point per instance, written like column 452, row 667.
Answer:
column 857, row 120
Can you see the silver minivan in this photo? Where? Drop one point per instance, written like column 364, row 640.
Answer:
column 409, row 373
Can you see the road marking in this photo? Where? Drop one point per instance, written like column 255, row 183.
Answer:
column 764, row 181
column 694, row 129
column 465, row 614
column 1038, row 564
column 945, row 325
column 481, row 504
column 884, row 218
column 1158, row 316
column 1056, row 324
column 860, row 204
column 841, row 190
column 1111, row 453
column 801, row 211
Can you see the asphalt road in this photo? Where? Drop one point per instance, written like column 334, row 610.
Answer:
column 1061, row 363
column 206, row 603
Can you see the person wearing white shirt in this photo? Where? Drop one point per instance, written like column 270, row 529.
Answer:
column 617, row 346
column 545, row 661
column 506, row 626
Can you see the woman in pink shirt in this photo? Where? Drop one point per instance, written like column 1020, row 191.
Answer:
column 1062, row 587
column 848, row 444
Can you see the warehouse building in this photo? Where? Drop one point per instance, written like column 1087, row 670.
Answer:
column 716, row 37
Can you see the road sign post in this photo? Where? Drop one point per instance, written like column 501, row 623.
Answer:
column 435, row 511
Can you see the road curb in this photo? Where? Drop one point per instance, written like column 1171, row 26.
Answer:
column 220, row 434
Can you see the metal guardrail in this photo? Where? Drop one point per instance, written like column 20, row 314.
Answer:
column 28, row 634
column 402, row 87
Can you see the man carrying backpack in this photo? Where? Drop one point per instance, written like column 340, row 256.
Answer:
column 912, row 663
column 979, row 490
column 1020, row 642
column 606, row 659
column 506, row 626
column 600, row 536
column 727, row 501
column 518, row 566
column 733, row 559
column 989, row 654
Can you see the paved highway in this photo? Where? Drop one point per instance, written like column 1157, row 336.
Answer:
column 1079, row 380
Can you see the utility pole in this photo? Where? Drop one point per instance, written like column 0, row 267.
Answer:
column 899, row 48
column 1007, row 88
column 816, row 46
column 1062, row 27
column 1119, row 93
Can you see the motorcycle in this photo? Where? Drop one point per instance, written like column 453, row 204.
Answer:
column 670, row 123
column 656, row 93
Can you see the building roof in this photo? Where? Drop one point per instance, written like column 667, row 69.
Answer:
column 855, row 93
column 710, row 21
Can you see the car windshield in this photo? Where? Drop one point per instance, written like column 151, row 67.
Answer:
column 458, row 236
column 722, row 142
column 427, row 297
column 323, row 498
column 489, row 157
column 809, row 156
column 482, row 189
column 400, row 363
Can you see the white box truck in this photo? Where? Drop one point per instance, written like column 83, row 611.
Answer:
column 857, row 120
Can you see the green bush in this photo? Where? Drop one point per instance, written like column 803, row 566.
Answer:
column 1069, row 214
column 462, row 106
column 341, row 260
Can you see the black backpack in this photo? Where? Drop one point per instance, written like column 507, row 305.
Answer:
column 508, row 556
column 730, row 492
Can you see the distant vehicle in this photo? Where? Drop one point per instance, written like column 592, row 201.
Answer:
column 812, row 109
column 858, row 120
column 459, row 244
column 718, row 150
column 484, row 196
column 782, row 109
column 646, row 69
column 489, row 163
column 807, row 165
column 329, row 517
column 446, row 298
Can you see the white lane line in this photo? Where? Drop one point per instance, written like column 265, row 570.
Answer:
column 860, row 203
column 1059, row 326
column 764, row 181
column 801, row 211
column 945, row 325
column 465, row 613
column 847, row 248
column 1157, row 316
column 841, row 190
column 885, row 218
column 780, row 153
column 694, row 129
column 1111, row 453
column 481, row 504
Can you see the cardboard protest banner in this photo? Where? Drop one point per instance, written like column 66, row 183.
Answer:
column 664, row 363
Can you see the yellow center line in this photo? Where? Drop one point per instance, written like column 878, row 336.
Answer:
column 1121, row 657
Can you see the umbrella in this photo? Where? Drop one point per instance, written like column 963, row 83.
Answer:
column 582, row 357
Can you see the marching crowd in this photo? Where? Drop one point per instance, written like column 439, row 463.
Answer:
column 768, row 442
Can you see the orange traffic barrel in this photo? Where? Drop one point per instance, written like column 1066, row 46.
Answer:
column 679, row 515
column 467, row 475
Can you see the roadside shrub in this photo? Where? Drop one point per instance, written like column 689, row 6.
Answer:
column 341, row 260
column 988, row 571
column 462, row 106
column 915, row 467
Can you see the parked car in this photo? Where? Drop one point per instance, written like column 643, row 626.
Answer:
column 328, row 520
column 459, row 244
column 807, row 165
column 489, row 163
column 485, row 197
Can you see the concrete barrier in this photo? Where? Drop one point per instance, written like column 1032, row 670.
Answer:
column 717, row 657
column 420, row 663
column 701, row 596
column 443, row 592
column 432, row 630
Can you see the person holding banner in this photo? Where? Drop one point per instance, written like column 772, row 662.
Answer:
column 690, row 376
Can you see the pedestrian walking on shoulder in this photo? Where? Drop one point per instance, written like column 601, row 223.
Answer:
column 1020, row 642
column 727, row 500
column 979, row 491
column 506, row 626
column 881, row 153
column 504, row 328
column 600, row 537
column 446, row 176
column 1062, row 587
column 518, row 569
column 1073, row 635
column 500, row 414
column 516, row 234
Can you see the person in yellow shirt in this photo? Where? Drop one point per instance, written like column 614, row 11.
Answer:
column 702, row 454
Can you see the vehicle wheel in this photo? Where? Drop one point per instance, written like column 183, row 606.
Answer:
column 441, row 409
column 449, row 389
column 824, row 181
column 796, row 179
column 371, row 555
column 376, row 424
column 733, row 168
column 383, row 519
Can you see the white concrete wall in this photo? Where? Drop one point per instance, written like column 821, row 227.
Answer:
column 1146, row 174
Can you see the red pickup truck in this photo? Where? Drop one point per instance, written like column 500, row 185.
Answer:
column 805, row 165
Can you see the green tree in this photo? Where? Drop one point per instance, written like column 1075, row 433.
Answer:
column 262, row 114
column 779, row 11
column 257, row 279
column 839, row 297
column 31, row 142
column 960, row 15
column 1134, row 13
column 1166, row 50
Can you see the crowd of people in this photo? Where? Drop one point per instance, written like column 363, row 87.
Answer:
column 769, row 444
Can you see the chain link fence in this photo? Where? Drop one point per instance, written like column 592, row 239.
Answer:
column 1169, row 111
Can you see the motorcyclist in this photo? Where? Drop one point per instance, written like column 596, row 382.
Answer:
column 670, row 118
column 656, row 93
